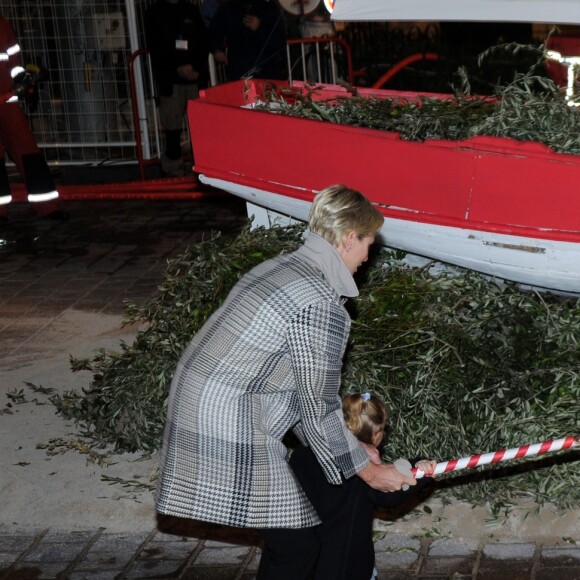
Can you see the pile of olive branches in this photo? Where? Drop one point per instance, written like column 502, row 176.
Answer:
column 464, row 364
column 469, row 366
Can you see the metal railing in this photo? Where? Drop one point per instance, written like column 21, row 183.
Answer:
column 319, row 60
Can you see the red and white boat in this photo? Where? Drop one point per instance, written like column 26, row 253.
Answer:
column 502, row 207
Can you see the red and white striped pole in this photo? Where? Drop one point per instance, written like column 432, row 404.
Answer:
column 404, row 467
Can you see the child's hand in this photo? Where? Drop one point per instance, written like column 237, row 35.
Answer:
column 427, row 466
column 372, row 452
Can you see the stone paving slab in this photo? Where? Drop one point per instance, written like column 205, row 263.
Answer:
column 101, row 555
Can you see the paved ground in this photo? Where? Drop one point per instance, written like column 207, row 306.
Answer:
column 111, row 251
column 95, row 554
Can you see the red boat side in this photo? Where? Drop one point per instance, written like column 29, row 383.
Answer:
column 484, row 183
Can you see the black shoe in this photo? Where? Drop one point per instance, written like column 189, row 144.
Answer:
column 57, row 215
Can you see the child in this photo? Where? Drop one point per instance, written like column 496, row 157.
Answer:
column 347, row 511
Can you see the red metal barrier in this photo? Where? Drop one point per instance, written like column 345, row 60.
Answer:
column 351, row 73
column 136, row 123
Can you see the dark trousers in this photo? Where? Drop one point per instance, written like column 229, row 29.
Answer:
column 288, row 554
column 17, row 140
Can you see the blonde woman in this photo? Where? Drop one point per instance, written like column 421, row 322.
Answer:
column 266, row 362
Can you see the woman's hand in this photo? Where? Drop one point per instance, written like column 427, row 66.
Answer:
column 384, row 477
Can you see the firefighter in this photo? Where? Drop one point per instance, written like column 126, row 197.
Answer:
column 17, row 140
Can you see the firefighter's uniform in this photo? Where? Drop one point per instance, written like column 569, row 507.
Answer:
column 16, row 139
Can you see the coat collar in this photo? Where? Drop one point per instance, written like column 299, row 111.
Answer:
column 326, row 258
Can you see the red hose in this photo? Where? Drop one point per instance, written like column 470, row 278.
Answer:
column 157, row 189
column 402, row 64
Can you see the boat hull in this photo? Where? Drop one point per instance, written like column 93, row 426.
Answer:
column 539, row 263
column 498, row 206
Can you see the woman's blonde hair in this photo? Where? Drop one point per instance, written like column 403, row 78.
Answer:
column 338, row 210
column 364, row 414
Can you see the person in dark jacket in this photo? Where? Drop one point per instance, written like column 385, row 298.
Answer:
column 347, row 510
column 249, row 36
column 178, row 42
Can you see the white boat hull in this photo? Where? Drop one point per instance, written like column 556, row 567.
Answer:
column 540, row 263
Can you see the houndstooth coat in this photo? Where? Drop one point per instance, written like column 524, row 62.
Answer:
column 268, row 360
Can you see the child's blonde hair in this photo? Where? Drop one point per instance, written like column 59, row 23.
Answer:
column 365, row 414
